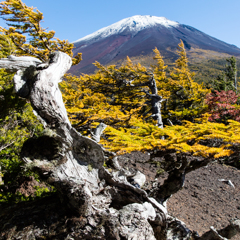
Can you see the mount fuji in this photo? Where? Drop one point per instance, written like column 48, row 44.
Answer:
column 137, row 36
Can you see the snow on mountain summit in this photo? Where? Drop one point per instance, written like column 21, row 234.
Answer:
column 137, row 36
column 133, row 24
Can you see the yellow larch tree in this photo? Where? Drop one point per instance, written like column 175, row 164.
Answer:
column 28, row 36
column 186, row 100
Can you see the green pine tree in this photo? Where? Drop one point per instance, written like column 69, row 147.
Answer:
column 17, row 121
column 228, row 78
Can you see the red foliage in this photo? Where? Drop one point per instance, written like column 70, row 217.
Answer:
column 222, row 106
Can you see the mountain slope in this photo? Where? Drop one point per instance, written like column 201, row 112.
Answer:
column 138, row 35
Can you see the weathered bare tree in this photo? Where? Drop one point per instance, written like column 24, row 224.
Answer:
column 73, row 163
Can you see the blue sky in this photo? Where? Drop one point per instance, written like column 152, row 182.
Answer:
column 73, row 19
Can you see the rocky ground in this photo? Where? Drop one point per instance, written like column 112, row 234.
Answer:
column 205, row 200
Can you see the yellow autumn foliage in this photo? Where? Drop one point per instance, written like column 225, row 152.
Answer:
column 28, row 36
column 117, row 97
column 189, row 138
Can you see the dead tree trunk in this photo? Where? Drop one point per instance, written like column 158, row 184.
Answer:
column 114, row 208
column 74, row 163
column 156, row 102
column 155, row 99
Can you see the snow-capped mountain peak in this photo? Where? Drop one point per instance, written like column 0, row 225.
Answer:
column 133, row 24
column 137, row 36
